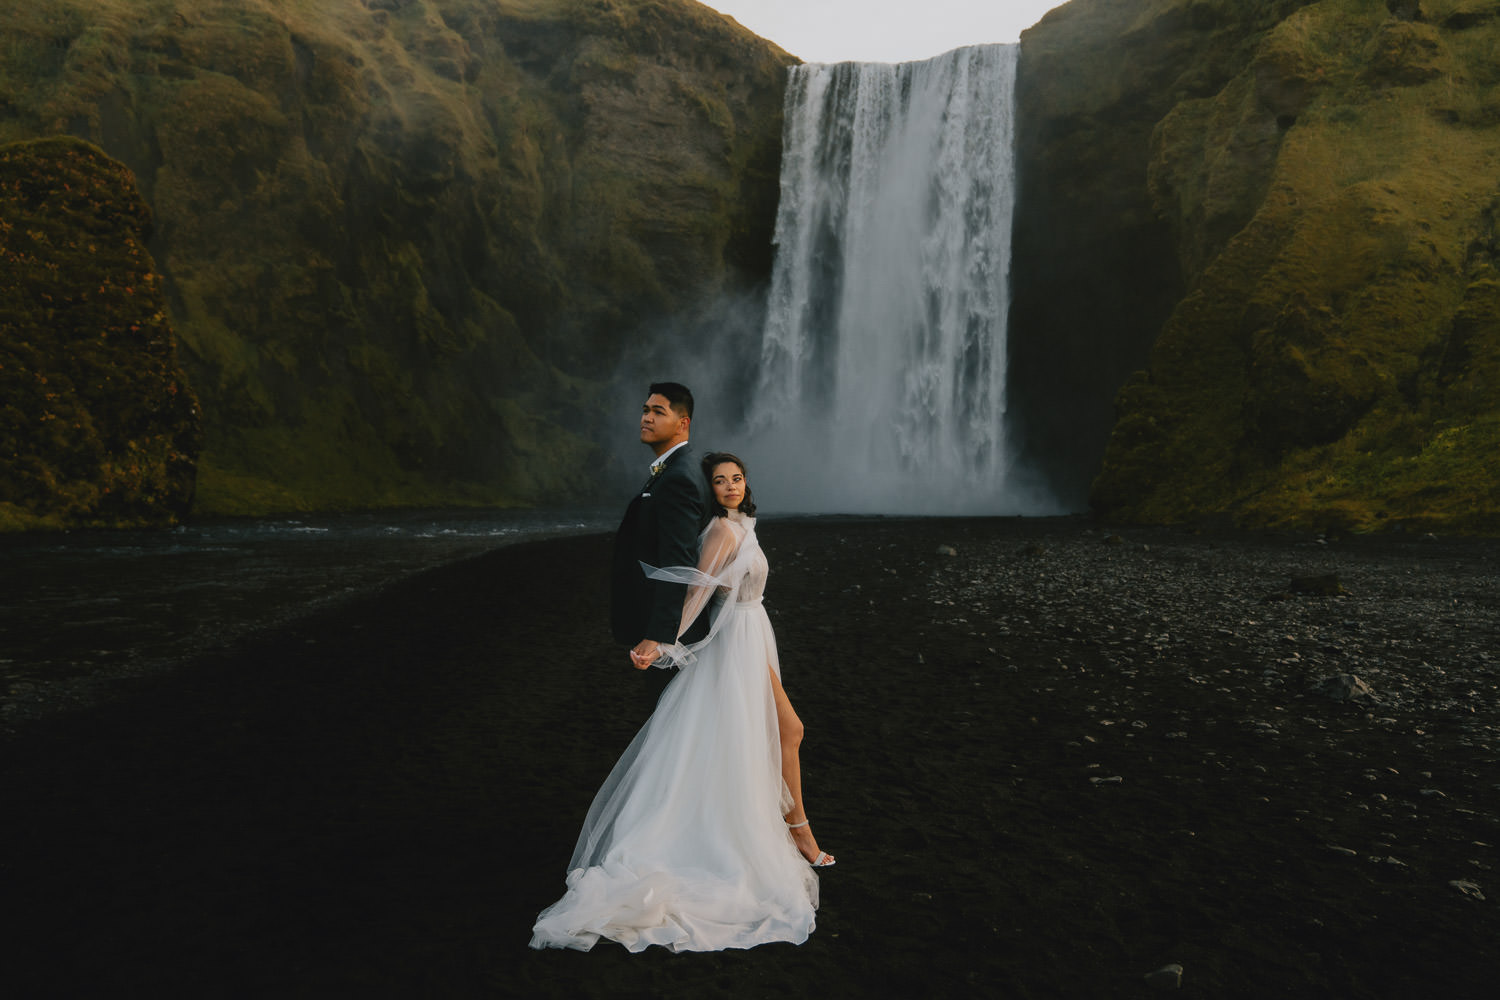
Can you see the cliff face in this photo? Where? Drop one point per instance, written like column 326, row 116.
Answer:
column 97, row 423
column 404, row 242
column 1095, row 268
column 1320, row 292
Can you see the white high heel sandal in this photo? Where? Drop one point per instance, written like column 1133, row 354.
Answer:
column 824, row 859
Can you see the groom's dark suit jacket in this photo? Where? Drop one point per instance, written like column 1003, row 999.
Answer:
column 660, row 528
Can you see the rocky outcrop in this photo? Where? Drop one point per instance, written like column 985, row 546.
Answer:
column 98, row 426
column 406, row 242
column 1313, row 303
column 1096, row 267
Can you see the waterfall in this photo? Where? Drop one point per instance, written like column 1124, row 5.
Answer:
column 881, row 385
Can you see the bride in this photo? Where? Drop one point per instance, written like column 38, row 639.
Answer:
column 698, row 839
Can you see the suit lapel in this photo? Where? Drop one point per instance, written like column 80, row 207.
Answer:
column 671, row 459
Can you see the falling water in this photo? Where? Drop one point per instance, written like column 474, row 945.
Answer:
column 882, row 378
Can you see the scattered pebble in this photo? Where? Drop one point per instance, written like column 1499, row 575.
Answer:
column 1345, row 687
column 1467, row 888
column 1168, row 977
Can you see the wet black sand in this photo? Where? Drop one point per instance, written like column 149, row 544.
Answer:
column 376, row 799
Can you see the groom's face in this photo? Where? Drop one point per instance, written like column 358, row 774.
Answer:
column 660, row 424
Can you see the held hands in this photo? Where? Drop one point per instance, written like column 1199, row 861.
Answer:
column 644, row 654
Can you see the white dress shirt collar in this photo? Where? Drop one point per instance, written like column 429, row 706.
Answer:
column 662, row 458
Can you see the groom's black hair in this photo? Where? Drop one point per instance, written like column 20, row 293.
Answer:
column 679, row 395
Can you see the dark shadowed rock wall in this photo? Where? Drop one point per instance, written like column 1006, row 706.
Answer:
column 1283, row 216
column 1095, row 268
column 405, row 242
column 97, row 423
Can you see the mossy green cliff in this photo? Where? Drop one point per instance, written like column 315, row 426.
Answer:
column 97, row 423
column 1315, row 306
column 405, row 242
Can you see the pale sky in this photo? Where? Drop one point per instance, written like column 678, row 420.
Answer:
column 883, row 30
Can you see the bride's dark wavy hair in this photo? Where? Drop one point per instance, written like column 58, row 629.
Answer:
column 713, row 458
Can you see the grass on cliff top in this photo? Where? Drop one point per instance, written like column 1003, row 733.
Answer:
column 630, row 14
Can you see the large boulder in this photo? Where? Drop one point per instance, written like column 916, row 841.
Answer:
column 98, row 423
column 406, row 242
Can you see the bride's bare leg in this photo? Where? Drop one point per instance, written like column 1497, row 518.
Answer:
column 791, row 769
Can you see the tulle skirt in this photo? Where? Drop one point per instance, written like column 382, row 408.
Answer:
column 684, row 845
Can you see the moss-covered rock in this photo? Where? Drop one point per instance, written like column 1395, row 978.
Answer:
column 98, row 425
column 1096, row 268
column 1330, row 356
column 405, row 242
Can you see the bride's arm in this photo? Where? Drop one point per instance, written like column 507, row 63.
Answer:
column 720, row 543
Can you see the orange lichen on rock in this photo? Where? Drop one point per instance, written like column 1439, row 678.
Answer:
column 98, row 426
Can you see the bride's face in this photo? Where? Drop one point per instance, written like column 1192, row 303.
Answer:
column 728, row 482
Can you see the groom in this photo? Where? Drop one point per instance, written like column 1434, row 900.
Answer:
column 660, row 528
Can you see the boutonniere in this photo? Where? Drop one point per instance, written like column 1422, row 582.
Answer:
column 656, row 469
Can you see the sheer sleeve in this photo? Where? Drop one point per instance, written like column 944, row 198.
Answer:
column 721, row 569
column 720, row 543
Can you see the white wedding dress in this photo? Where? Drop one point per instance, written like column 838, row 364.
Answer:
column 685, row 846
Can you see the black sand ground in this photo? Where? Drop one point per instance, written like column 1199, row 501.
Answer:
column 1049, row 764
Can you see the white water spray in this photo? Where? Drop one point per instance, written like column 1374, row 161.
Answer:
column 882, row 379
